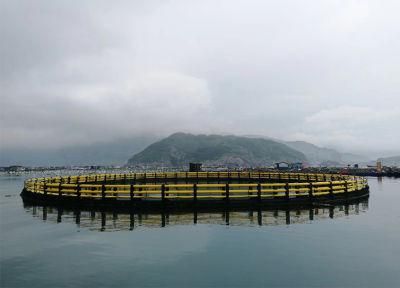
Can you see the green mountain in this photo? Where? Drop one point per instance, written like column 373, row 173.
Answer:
column 179, row 149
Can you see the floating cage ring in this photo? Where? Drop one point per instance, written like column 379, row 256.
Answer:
column 151, row 189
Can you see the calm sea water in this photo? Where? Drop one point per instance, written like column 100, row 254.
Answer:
column 353, row 246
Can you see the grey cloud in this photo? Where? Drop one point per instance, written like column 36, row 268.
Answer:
column 82, row 72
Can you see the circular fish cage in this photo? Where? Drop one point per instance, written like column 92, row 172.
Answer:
column 201, row 189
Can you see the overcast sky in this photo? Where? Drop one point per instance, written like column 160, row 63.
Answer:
column 78, row 72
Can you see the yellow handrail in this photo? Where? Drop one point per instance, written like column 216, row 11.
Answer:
column 101, row 185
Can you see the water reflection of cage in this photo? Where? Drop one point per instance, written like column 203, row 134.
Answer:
column 116, row 221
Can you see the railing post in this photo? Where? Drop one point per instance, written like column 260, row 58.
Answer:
column 346, row 188
column 287, row 190
column 166, row 191
column 163, row 193
column 78, row 191
column 59, row 190
column 259, row 192
column 330, row 189
column 103, row 192
column 310, row 190
column 227, row 192
column 131, row 192
column 194, row 192
column 44, row 189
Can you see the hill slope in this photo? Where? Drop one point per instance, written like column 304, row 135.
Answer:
column 179, row 149
column 111, row 153
column 319, row 155
column 390, row 161
column 315, row 154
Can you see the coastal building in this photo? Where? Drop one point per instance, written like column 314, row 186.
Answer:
column 194, row 167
